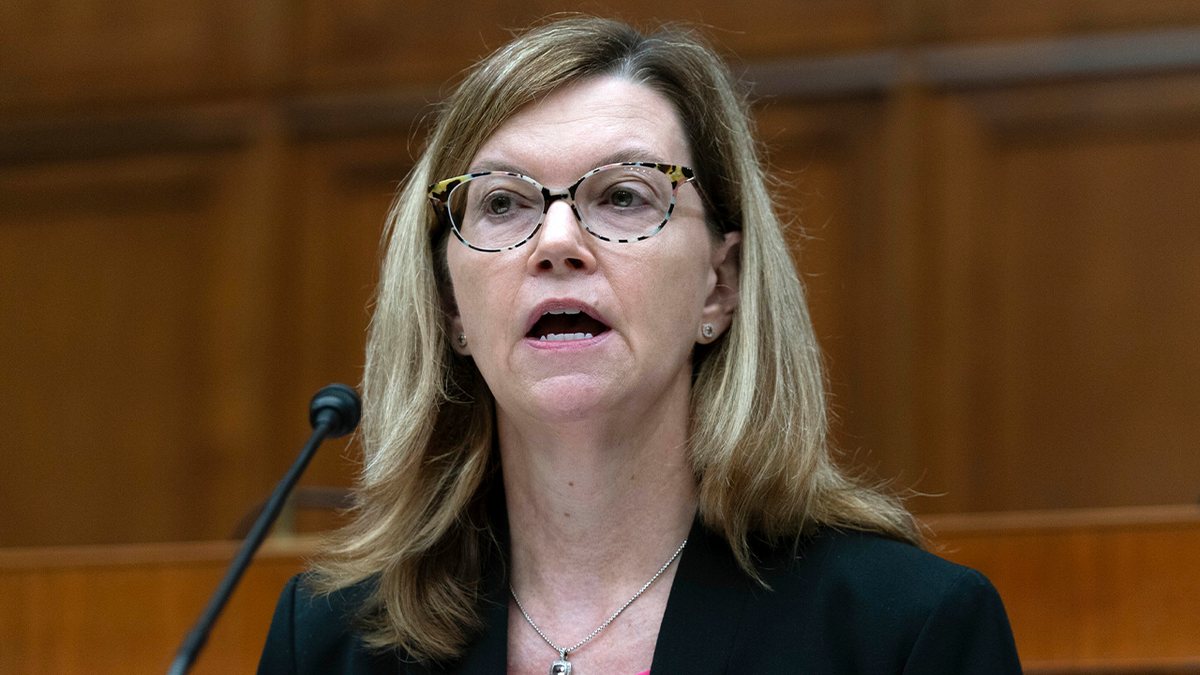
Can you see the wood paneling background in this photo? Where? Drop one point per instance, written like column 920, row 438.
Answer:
column 1088, row 592
column 125, row 608
column 994, row 216
column 1062, row 342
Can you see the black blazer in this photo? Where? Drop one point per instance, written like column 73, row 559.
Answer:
column 849, row 602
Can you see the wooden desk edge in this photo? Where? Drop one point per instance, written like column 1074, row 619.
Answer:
column 1174, row 516
column 943, row 526
column 1148, row 666
column 167, row 553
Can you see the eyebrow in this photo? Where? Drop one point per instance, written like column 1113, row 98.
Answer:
column 496, row 165
column 633, row 154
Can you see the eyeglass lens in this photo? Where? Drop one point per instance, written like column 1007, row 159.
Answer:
column 625, row 202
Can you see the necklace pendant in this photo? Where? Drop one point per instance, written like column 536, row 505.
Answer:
column 560, row 667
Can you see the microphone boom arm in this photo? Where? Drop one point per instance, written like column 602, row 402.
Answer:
column 334, row 412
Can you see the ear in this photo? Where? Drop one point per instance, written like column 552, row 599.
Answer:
column 454, row 324
column 722, row 300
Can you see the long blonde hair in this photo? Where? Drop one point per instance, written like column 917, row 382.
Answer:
column 758, row 435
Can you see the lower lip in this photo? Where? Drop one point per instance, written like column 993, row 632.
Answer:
column 567, row 345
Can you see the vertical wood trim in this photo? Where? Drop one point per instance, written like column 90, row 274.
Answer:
column 903, row 173
column 957, row 145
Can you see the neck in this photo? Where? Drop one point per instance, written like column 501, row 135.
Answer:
column 595, row 507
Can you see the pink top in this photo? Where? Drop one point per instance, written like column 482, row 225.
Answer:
column 645, row 673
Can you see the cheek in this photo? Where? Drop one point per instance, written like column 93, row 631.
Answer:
column 470, row 289
column 674, row 292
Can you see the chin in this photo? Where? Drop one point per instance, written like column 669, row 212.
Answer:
column 562, row 402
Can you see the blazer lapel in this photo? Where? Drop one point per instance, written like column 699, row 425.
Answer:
column 704, row 609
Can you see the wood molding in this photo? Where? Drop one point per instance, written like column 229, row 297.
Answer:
column 946, row 20
column 980, row 65
column 139, row 555
column 835, row 76
column 1087, row 56
column 392, row 111
column 110, row 134
column 1053, row 520
column 1149, row 666
column 358, row 114
column 215, row 127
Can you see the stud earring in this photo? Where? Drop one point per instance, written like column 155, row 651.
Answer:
column 462, row 339
column 707, row 329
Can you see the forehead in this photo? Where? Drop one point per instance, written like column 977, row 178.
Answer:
column 585, row 125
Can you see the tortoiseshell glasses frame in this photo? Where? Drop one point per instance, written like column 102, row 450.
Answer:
column 440, row 195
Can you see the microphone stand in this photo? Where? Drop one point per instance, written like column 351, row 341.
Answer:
column 334, row 412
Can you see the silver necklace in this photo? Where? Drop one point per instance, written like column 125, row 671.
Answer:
column 562, row 666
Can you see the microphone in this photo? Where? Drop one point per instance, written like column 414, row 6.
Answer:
column 338, row 406
column 334, row 412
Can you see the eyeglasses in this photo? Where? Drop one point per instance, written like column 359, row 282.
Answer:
column 494, row 211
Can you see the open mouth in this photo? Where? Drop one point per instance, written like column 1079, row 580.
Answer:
column 566, row 324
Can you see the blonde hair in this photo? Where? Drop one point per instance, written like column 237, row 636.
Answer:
column 758, row 436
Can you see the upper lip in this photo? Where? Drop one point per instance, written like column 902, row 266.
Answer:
column 556, row 304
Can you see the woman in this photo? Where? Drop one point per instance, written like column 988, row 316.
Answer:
column 594, row 419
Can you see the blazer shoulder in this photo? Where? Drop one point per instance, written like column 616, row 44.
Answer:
column 842, row 571
column 852, row 597
column 869, row 564
column 317, row 632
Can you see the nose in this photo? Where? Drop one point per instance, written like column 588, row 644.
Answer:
column 561, row 244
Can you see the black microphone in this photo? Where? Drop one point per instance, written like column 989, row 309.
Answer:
column 338, row 406
column 334, row 412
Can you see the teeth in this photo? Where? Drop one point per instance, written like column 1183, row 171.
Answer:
column 560, row 337
column 556, row 312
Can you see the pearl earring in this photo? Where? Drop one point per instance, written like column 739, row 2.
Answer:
column 462, row 339
column 707, row 329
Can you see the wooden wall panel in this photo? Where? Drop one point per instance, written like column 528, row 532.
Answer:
column 137, row 347
column 1094, row 590
column 1060, row 362
column 343, row 190
column 125, row 609
column 832, row 166
column 68, row 54
column 997, row 271
column 399, row 44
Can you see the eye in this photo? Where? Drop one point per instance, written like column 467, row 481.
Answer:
column 624, row 198
column 498, row 205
